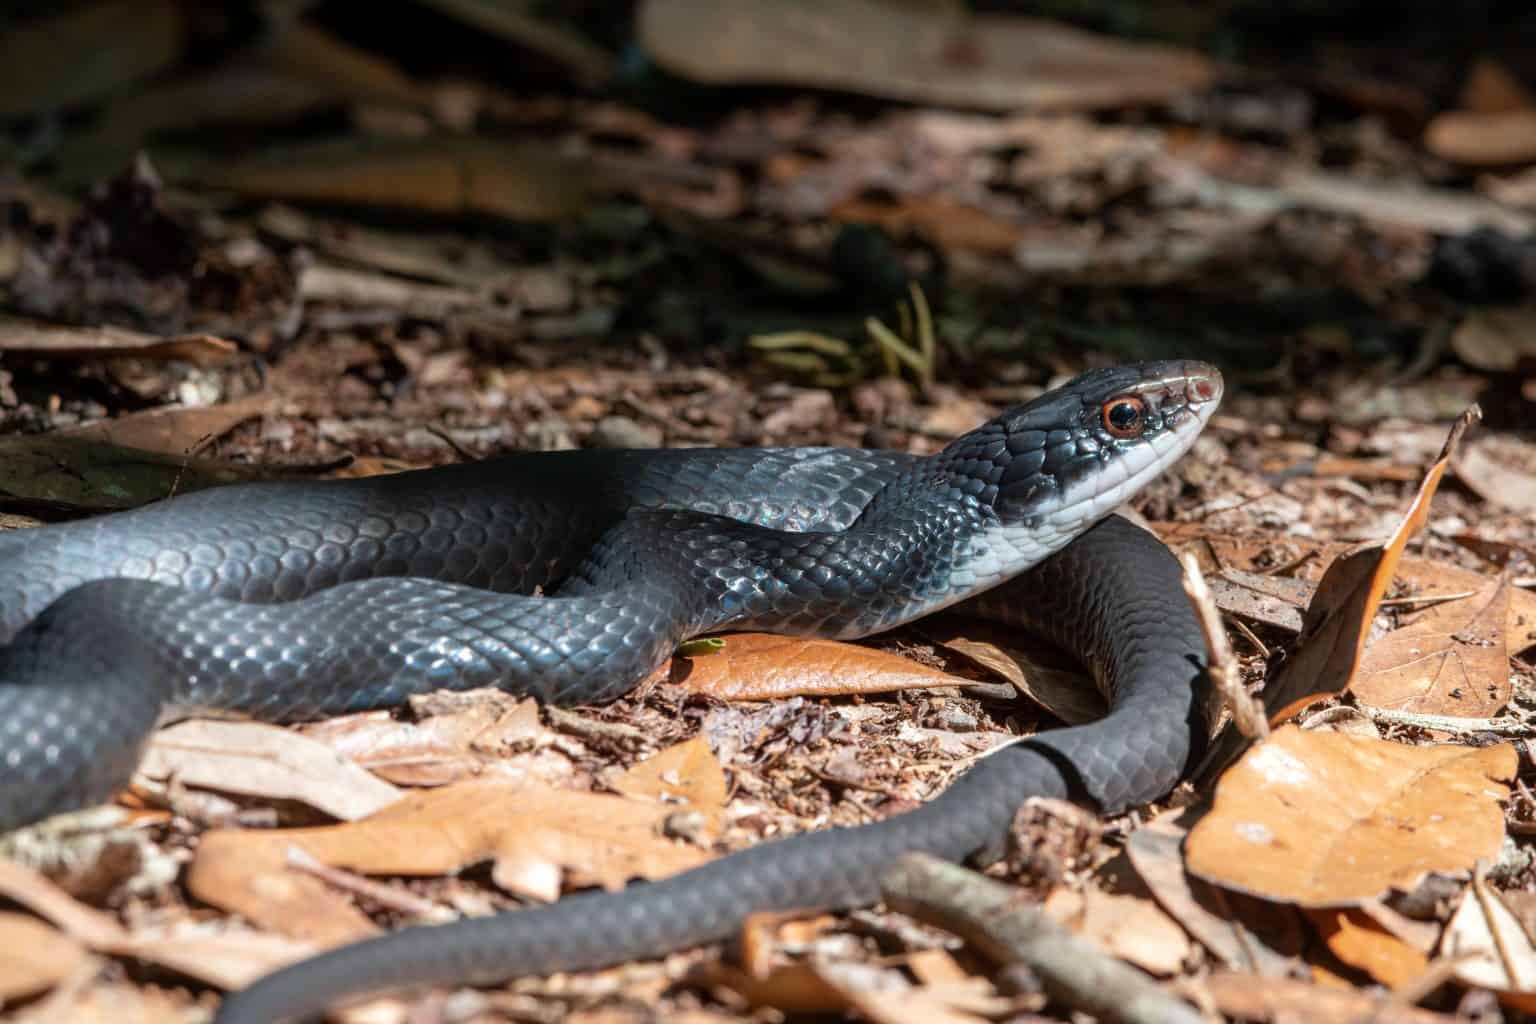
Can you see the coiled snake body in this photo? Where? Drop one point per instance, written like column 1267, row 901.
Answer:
column 292, row 601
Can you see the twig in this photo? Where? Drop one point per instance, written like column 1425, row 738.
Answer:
column 1226, row 676
column 1449, row 723
column 593, row 728
column 384, row 895
column 990, row 916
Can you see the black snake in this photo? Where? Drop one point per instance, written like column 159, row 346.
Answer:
column 296, row 600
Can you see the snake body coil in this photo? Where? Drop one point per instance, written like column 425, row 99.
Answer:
column 297, row 600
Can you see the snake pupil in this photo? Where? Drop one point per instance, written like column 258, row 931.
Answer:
column 1123, row 416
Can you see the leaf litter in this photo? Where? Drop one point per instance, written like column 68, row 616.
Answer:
column 387, row 354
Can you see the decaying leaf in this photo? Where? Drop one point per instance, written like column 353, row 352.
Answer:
column 1503, row 484
column 1327, row 820
column 762, row 666
column 254, row 759
column 173, row 430
column 1452, row 660
column 687, row 773
column 492, row 734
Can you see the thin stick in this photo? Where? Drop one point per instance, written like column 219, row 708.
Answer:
column 990, row 916
column 1225, row 674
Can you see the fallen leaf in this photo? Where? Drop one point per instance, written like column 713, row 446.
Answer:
column 78, row 474
column 1496, row 339
column 686, row 773
column 436, row 174
column 230, row 958
column 1452, row 660
column 1132, row 928
column 1222, row 922
column 260, row 760
column 324, row 283
column 933, row 54
column 500, row 735
column 1483, row 139
column 1500, row 483
column 1498, row 951
column 1327, row 820
column 37, row 957
column 763, row 666
column 1067, row 694
column 1338, row 622
column 1360, row 941
column 1246, row 997
column 55, row 341
column 172, row 430
column 534, row 835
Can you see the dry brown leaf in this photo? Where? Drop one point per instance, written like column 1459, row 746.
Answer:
column 1452, row 660
column 1499, row 483
column 936, row 54
column 1500, row 953
column 1069, row 695
column 1130, row 927
column 1479, row 139
column 686, row 773
column 944, row 222
column 1322, row 819
column 1221, row 922
column 1245, row 997
column 54, row 341
column 1496, row 339
column 762, row 666
column 1359, row 940
column 533, row 834
column 229, row 959
column 472, row 741
column 446, row 175
column 796, row 988
column 173, row 430
column 254, row 759
column 1491, row 88
column 37, row 957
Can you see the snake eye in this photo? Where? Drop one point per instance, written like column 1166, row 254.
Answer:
column 1125, row 417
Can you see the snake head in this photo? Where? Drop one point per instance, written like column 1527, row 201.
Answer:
column 1072, row 455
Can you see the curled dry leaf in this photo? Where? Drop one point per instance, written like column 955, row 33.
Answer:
column 265, row 761
column 1498, row 952
column 1067, row 694
column 1327, row 820
column 1452, row 660
column 761, row 666
column 1337, row 623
